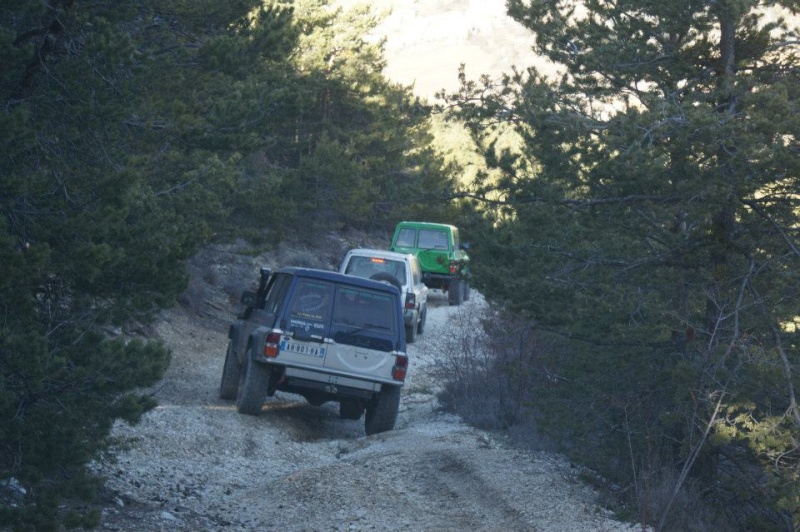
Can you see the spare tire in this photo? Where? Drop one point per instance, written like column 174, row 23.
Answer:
column 387, row 278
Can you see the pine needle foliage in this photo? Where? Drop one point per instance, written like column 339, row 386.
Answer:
column 649, row 222
column 134, row 132
column 121, row 140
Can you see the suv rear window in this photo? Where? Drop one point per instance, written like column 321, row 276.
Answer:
column 366, row 267
column 406, row 237
column 432, row 239
column 311, row 300
column 364, row 310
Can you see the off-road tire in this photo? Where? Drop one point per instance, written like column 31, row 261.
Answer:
column 253, row 385
column 387, row 278
column 382, row 410
column 411, row 333
column 229, row 384
column 467, row 291
column 455, row 293
column 422, row 320
column 351, row 409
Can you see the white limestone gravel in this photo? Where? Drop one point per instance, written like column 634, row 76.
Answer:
column 194, row 463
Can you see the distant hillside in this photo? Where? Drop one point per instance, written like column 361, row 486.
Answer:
column 427, row 40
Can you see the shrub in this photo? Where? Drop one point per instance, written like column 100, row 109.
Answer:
column 503, row 373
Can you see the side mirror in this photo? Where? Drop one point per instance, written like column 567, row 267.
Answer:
column 465, row 246
column 248, row 299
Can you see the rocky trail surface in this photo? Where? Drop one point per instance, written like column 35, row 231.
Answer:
column 194, row 463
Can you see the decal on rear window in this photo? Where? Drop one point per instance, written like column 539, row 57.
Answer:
column 311, row 301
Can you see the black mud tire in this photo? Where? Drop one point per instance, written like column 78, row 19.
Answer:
column 382, row 410
column 422, row 320
column 229, row 384
column 455, row 293
column 351, row 409
column 467, row 291
column 411, row 333
column 253, row 385
column 387, row 278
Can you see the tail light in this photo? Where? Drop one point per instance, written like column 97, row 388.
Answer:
column 411, row 301
column 453, row 267
column 400, row 368
column 272, row 345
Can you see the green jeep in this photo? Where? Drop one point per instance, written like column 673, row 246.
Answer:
column 444, row 261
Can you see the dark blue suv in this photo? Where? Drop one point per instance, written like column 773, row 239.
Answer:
column 322, row 335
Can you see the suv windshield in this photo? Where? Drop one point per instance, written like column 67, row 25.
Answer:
column 366, row 267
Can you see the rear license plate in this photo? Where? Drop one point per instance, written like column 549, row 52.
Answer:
column 301, row 349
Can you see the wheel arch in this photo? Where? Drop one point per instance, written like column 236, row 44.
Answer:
column 234, row 335
column 256, row 338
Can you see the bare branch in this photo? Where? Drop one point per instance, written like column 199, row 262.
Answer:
column 633, row 198
column 687, row 466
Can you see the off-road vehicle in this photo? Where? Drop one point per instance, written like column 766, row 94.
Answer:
column 444, row 260
column 402, row 270
column 323, row 335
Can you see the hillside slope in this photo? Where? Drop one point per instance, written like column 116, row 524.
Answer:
column 426, row 41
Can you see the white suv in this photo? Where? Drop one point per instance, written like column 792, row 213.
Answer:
column 400, row 269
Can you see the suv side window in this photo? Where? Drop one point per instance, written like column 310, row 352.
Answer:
column 276, row 293
column 406, row 237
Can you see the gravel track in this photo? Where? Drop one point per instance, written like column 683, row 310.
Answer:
column 194, row 463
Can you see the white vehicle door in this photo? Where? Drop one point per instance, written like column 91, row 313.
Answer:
column 363, row 332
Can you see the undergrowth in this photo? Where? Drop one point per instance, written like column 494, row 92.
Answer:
column 501, row 374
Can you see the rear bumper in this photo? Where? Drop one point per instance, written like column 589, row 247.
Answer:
column 438, row 276
column 438, row 280
column 297, row 380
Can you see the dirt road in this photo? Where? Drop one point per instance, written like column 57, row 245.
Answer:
column 194, row 463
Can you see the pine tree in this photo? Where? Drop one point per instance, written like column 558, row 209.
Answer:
column 359, row 153
column 123, row 127
column 650, row 223
column 134, row 132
